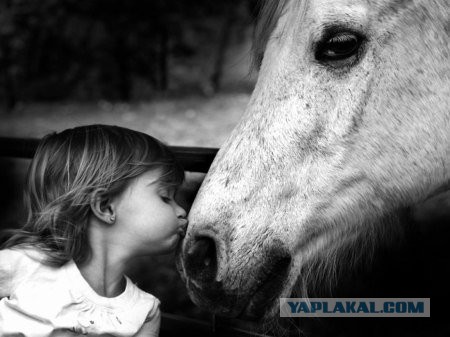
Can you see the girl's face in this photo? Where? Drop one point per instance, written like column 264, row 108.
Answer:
column 148, row 220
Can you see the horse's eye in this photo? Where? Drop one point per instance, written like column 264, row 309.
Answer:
column 339, row 46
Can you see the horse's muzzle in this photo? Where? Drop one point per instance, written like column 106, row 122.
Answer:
column 212, row 282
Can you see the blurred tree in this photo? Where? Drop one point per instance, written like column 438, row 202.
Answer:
column 6, row 60
column 49, row 49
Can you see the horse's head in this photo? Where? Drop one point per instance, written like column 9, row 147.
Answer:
column 348, row 126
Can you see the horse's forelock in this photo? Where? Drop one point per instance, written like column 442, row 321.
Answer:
column 269, row 13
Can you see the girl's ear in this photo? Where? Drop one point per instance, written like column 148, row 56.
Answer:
column 101, row 206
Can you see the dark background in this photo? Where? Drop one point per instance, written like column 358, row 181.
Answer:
column 54, row 50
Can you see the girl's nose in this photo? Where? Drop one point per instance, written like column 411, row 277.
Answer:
column 180, row 212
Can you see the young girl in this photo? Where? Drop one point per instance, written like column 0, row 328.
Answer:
column 97, row 196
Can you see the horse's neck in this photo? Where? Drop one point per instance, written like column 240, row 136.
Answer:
column 434, row 211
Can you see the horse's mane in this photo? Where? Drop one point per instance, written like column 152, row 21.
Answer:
column 268, row 15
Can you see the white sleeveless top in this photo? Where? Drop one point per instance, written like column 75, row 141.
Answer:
column 39, row 301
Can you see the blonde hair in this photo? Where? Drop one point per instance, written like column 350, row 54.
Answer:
column 67, row 168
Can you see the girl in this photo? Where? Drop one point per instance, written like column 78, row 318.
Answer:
column 97, row 196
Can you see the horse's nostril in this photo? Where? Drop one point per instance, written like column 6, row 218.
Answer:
column 201, row 260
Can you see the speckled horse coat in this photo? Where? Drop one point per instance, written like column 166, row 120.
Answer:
column 345, row 141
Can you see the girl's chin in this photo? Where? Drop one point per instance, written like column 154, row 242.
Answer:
column 171, row 245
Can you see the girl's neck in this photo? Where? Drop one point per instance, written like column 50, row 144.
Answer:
column 104, row 271
column 105, row 278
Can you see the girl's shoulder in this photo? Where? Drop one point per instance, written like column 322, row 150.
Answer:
column 16, row 264
column 142, row 301
column 137, row 295
column 20, row 261
column 21, row 254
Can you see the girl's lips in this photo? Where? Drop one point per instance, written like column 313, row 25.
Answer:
column 182, row 232
column 182, row 229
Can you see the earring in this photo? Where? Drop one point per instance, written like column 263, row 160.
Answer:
column 112, row 218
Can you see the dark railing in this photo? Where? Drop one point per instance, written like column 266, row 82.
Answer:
column 195, row 159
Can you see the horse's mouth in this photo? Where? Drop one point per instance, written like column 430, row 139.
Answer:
column 259, row 304
column 262, row 303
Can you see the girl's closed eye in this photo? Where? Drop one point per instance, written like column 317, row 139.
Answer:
column 166, row 199
column 167, row 196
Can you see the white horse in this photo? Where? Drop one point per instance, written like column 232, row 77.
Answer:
column 346, row 140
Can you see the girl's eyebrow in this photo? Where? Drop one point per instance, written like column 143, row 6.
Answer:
column 169, row 189
column 163, row 187
column 153, row 181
